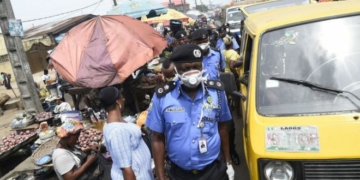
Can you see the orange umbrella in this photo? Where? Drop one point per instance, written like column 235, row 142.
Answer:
column 105, row 50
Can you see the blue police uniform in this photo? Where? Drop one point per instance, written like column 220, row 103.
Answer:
column 213, row 63
column 221, row 45
column 174, row 113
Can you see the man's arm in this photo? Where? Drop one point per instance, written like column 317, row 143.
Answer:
column 224, row 135
column 223, row 128
column 158, row 146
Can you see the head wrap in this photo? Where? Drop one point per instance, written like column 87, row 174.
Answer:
column 227, row 40
column 68, row 128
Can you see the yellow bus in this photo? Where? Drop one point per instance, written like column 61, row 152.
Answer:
column 301, row 81
column 271, row 5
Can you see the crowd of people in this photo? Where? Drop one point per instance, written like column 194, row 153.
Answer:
column 189, row 117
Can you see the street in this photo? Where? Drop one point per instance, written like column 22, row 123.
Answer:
column 241, row 171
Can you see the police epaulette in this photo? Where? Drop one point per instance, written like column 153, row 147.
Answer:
column 162, row 89
column 215, row 84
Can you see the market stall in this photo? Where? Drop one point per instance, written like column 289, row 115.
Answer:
column 102, row 63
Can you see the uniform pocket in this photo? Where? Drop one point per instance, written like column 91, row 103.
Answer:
column 210, row 128
column 175, row 123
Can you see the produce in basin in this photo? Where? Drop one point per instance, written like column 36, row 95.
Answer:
column 88, row 137
column 44, row 116
column 12, row 140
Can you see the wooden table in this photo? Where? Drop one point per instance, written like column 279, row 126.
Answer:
column 77, row 93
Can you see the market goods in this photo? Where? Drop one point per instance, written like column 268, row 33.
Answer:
column 43, row 116
column 22, row 120
column 12, row 140
column 3, row 99
column 88, row 137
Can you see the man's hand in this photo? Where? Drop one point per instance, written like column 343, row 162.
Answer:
column 230, row 172
column 158, row 146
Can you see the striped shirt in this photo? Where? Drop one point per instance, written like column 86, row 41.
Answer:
column 127, row 149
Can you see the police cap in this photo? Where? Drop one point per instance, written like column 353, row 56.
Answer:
column 200, row 34
column 221, row 28
column 180, row 34
column 187, row 53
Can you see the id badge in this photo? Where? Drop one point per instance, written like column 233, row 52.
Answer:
column 202, row 145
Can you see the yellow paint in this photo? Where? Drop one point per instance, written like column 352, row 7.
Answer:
column 334, row 144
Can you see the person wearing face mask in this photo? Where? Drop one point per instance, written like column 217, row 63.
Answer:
column 189, row 117
column 220, row 42
column 213, row 60
column 130, row 155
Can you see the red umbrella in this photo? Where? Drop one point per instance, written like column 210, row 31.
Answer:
column 105, row 50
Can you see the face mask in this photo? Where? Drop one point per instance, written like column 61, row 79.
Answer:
column 192, row 78
column 204, row 46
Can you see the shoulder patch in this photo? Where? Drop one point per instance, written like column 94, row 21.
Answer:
column 165, row 88
column 215, row 84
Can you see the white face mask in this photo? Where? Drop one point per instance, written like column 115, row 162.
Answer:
column 191, row 79
column 204, row 46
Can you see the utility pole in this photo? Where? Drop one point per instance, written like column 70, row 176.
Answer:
column 115, row 3
column 19, row 62
column 196, row 4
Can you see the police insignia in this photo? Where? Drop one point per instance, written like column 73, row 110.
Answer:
column 160, row 90
column 211, row 83
column 218, row 84
column 209, row 99
column 166, row 87
column 197, row 53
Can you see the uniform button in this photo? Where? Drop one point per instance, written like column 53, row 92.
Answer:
column 193, row 103
column 193, row 141
column 194, row 123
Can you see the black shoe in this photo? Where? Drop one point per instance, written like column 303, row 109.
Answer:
column 235, row 157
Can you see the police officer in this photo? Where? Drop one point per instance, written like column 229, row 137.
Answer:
column 220, row 43
column 192, row 114
column 213, row 60
column 180, row 39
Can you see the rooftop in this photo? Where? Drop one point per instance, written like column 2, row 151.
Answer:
column 176, row 2
column 263, row 21
column 55, row 27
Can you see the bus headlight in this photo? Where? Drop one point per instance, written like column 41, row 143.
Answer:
column 278, row 170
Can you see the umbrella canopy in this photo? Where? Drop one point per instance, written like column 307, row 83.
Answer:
column 165, row 18
column 138, row 8
column 105, row 50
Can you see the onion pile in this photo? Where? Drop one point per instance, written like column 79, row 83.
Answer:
column 12, row 140
column 44, row 116
column 88, row 137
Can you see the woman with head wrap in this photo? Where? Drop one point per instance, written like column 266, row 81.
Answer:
column 69, row 162
column 131, row 156
column 231, row 56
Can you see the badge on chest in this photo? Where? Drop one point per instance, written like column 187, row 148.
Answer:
column 210, row 108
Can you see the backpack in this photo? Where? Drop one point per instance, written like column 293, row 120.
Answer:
column 221, row 57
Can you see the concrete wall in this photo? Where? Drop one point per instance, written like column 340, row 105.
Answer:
column 5, row 65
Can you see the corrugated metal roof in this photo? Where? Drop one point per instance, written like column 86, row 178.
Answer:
column 55, row 27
